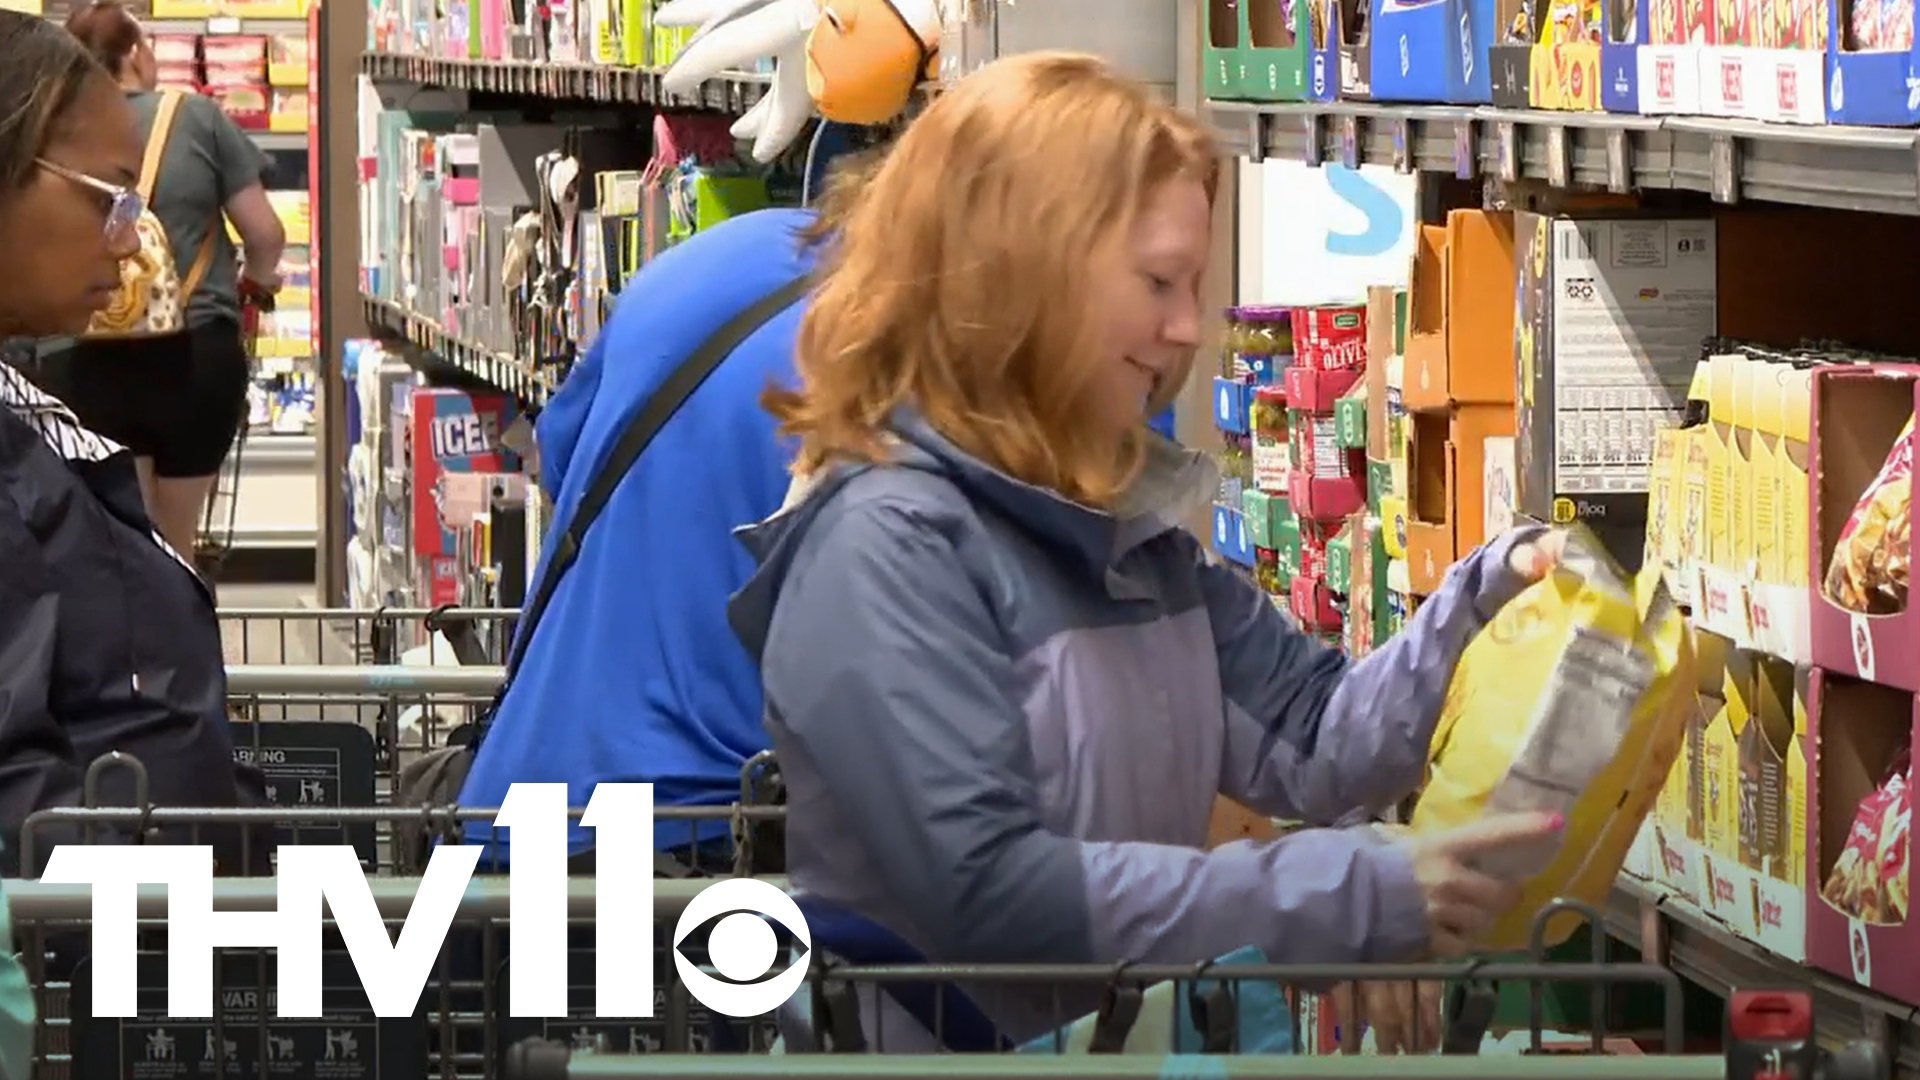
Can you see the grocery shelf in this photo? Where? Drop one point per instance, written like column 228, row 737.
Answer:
column 493, row 368
column 1844, row 168
column 280, row 140
column 1701, row 950
column 732, row 92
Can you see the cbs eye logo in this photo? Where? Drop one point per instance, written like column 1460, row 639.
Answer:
column 741, row 947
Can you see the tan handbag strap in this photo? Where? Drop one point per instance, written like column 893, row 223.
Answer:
column 201, row 262
column 157, row 143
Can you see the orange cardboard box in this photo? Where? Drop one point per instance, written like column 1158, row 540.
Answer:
column 1446, row 482
column 1469, row 288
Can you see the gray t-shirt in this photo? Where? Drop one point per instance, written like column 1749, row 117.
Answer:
column 208, row 159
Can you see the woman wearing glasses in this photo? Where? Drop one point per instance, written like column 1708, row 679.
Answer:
column 108, row 639
column 176, row 400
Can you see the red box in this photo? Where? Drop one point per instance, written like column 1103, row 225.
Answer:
column 1858, row 411
column 1313, row 605
column 453, row 432
column 1315, row 391
column 1857, row 730
column 1330, row 338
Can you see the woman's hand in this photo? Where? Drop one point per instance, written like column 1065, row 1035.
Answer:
column 1532, row 560
column 1403, row 1016
column 1462, row 902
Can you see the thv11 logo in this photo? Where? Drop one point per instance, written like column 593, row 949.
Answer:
column 741, row 946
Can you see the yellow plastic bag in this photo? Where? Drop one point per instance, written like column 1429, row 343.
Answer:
column 1575, row 700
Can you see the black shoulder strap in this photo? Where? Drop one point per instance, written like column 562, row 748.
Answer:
column 646, row 423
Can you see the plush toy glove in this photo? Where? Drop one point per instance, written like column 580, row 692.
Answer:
column 733, row 35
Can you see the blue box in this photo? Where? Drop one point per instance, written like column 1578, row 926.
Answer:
column 1432, row 51
column 1868, row 88
column 1620, row 68
column 1230, row 540
column 1231, row 401
column 1338, row 69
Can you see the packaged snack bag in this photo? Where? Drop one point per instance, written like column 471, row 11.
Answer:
column 1868, row 573
column 1869, row 879
column 1574, row 699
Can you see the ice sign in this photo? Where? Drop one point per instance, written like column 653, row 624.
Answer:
column 1223, row 409
column 464, row 435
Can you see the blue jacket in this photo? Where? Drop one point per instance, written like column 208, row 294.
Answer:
column 633, row 675
column 1003, row 719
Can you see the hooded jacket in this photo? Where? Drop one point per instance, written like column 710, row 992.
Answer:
column 1003, row 719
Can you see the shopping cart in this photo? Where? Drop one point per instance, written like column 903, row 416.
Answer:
column 218, row 518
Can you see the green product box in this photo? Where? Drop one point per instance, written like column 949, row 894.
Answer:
column 1223, row 58
column 1263, row 512
column 1377, row 562
column 1399, row 322
column 1286, row 543
column 1273, row 54
column 1340, row 559
column 1350, row 418
column 1379, row 483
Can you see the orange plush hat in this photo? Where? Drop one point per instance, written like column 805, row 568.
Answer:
column 864, row 57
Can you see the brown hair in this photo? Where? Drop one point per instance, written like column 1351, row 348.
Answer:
column 42, row 74
column 955, row 272
column 108, row 30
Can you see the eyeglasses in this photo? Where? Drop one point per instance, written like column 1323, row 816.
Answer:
column 124, row 205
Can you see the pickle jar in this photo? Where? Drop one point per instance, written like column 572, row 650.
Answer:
column 1236, row 470
column 1263, row 343
column 1271, row 453
column 1266, row 570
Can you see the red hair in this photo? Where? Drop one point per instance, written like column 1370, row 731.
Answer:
column 955, row 272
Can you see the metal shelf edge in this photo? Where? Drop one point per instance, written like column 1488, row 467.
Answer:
column 1718, row 960
column 731, row 92
column 1848, row 168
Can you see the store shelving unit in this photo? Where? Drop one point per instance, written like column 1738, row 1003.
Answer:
column 734, row 92
column 1874, row 170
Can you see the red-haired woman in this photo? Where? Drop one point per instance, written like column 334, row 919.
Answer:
column 1004, row 685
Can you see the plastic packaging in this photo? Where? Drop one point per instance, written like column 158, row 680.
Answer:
column 1868, row 573
column 1869, row 879
column 1575, row 700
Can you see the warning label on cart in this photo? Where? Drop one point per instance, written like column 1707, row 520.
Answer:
column 312, row 763
column 347, row 1042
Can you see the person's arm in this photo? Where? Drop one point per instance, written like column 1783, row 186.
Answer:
column 38, row 769
column 1315, row 737
column 884, row 670
column 240, row 167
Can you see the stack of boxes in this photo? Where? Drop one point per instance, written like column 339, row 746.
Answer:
column 233, row 69
column 1256, row 458
column 1327, row 482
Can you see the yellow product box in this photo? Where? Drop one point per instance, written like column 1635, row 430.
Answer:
column 1719, row 553
column 1681, row 830
column 1663, row 481
column 1764, row 495
column 1760, row 894
column 1572, row 700
column 1778, row 612
column 1721, row 743
column 1796, row 420
column 1393, row 524
column 1740, row 469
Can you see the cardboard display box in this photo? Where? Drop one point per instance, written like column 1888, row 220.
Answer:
column 1546, row 64
column 1653, row 68
column 1339, row 54
column 1766, row 61
column 1221, row 61
column 1610, row 316
column 1432, row 51
column 1868, row 80
column 1461, row 312
column 1858, row 731
column 1446, row 487
column 1273, row 52
column 1858, row 414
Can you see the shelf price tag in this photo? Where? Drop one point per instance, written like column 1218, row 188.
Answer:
column 1507, row 150
column 1350, row 141
column 1466, row 159
column 1558, row 153
column 1723, row 159
column 1619, row 172
column 1402, row 145
column 1310, row 149
column 223, row 24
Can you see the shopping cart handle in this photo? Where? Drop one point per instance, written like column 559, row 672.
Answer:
column 537, row 1059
